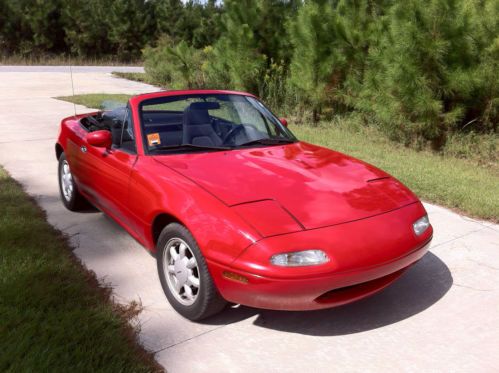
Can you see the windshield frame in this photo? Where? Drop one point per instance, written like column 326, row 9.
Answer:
column 185, row 96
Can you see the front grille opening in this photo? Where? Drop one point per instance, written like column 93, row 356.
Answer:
column 358, row 290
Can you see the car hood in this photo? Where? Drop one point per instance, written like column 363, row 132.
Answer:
column 315, row 186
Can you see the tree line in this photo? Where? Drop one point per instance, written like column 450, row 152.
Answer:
column 418, row 69
column 103, row 28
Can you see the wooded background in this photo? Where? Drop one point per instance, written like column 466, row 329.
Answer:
column 419, row 70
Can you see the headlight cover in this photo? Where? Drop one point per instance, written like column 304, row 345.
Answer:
column 421, row 225
column 300, row 258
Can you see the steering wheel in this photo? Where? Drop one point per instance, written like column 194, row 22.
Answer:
column 232, row 133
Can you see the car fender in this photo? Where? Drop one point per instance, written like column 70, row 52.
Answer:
column 156, row 189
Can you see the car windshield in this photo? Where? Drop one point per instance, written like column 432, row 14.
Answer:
column 209, row 122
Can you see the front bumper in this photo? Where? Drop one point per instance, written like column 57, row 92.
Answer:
column 366, row 256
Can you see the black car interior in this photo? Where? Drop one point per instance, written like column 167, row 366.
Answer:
column 198, row 125
column 112, row 121
column 194, row 125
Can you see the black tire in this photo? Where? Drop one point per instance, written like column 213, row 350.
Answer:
column 208, row 300
column 76, row 201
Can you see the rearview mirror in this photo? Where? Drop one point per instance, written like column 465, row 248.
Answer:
column 284, row 122
column 100, row 139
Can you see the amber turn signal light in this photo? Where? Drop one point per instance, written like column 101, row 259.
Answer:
column 235, row 277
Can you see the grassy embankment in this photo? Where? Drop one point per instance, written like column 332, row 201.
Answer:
column 55, row 317
column 138, row 77
column 469, row 186
column 62, row 60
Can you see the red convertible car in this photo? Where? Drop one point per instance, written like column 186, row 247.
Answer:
column 235, row 208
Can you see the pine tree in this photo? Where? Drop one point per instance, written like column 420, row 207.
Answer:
column 331, row 41
column 129, row 25
column 84, row 36
column 478, row 83
column 9, row 38
column 96, row 28
column 175, row 65
column 427, row 68
column 312, row 67
column 359, row 25
column 208, row 29
column 235, row 59
column 196, row 23
column 32, row 27
column 167, row 15
column 253, row 39
column 44, row 20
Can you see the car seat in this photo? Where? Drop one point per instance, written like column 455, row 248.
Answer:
column 197, row 128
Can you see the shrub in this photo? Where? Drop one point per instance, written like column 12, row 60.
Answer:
column 483, row 148
column 434, row 71
column 177, row 66
column 274, row 87
column 331, row 41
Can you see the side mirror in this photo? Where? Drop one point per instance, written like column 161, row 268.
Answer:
column 284, row 122
column 100, row 139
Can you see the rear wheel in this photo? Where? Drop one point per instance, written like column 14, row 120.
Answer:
column 71, row 197
column 184, row 275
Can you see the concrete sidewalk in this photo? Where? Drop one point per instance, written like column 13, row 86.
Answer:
column 442, row 315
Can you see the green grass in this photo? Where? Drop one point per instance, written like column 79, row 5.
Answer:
column 101, row 101
column 59, row 60
column 460, row 184
column 138, row 77
column 54, row 317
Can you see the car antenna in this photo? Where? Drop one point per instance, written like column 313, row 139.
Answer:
column 72, row 84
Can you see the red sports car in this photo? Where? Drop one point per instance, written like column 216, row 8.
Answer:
column 235, row 208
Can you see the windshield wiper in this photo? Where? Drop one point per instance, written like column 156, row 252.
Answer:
column 189, row 147
column 274, row 141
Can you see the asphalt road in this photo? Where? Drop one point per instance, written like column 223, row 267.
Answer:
column 442, row 315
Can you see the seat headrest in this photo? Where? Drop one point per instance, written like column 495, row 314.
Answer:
column 194, row 117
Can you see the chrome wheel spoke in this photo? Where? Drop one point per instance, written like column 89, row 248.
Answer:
column 171, row 269
column 191, row 264
column 181, row 250
column 177, row 285
column 188, row 292
column 193, row 280
column 173, row 253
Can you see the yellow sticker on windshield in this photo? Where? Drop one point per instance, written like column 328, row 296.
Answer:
column 153, row 139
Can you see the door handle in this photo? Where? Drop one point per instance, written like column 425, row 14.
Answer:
column 83, row 148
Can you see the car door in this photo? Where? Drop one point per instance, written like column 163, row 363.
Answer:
column 110, row 170
column 76, row 149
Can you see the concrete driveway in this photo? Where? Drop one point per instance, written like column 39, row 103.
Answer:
column 442, row 315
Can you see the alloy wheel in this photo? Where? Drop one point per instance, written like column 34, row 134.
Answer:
column 182, row 271
column 66, row 181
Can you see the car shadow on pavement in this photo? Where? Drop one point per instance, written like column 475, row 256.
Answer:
column 88, row 209
column 55, row 200
column 418, row 289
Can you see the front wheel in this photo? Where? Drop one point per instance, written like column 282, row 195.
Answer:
column 184, row 275
column 70, row 195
